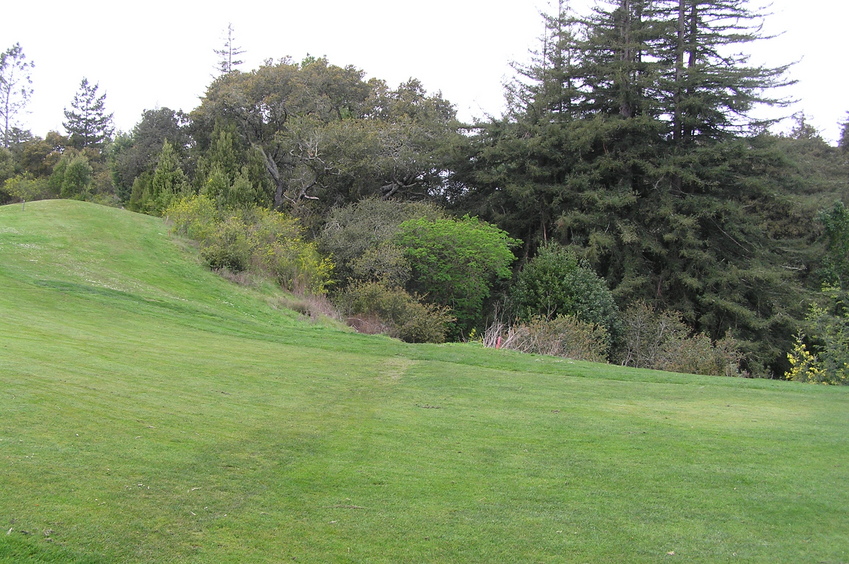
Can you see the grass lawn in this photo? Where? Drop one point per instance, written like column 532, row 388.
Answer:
column 150, row 411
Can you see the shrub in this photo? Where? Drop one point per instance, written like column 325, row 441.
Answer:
column 26, row 188
column 393, row 311
column 385, row 263
column 227, row 246
column 279, row 250
column 257, row 240
column 554, row 283
column 565, row 336
column 804, row 365
column 662, row 341
column 193, row 217
column 353, row 231
column 823, row 356
column 456, row 262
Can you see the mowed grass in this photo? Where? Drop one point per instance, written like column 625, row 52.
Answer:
column 150, row 411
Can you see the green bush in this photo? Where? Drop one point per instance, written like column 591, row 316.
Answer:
column 278, row 249
column 358, row 230
column 228, row 246
column 395, row 312
column 385, row 263
column 455, row 263
column 822, row 357
column 26, row 188
column 554, row 283
column 194, row 217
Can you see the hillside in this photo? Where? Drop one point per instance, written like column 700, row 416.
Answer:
column 150, row 411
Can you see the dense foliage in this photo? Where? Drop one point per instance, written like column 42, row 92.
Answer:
column 645, row 203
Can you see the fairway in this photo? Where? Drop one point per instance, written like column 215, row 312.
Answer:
column 151, row 411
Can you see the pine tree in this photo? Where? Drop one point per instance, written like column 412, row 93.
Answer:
column 646, row 175
column 708, row 88
column 88, row 124
column 229, row 53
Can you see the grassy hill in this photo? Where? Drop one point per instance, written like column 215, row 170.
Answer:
column 152, row 412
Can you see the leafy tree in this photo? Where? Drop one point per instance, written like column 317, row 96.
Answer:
column 328, row 138
column 15, row 90
column 7, row 164
column 38, row 156
column 456, row 263
column 26, row 188
column 88, row 124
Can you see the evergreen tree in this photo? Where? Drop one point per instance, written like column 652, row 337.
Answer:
column 623, row 143
column 708, row 87
column 88, row 124
column 229, row 53
column 168, row 181
column 132, row 154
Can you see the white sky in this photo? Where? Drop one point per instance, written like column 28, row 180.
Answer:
column 153, row 53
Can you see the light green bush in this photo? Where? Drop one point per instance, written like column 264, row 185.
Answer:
column 193, row 217
column 256, row 240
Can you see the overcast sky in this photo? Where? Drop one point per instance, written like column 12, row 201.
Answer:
column 153, row 53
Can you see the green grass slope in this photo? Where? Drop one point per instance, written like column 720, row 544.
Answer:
column 152, row 412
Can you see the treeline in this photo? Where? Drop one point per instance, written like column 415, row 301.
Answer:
column 626, row 207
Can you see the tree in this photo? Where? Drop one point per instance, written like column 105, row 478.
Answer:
column 229, row 53
column 835, row 222
column 15, row 90
column 554, row 283
column 328, row 137
column 709, row 88
column 168, row 181
column 134, row 153
column 88, row 124
column 72, row 176
column 456, row 263
column 625, row 142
